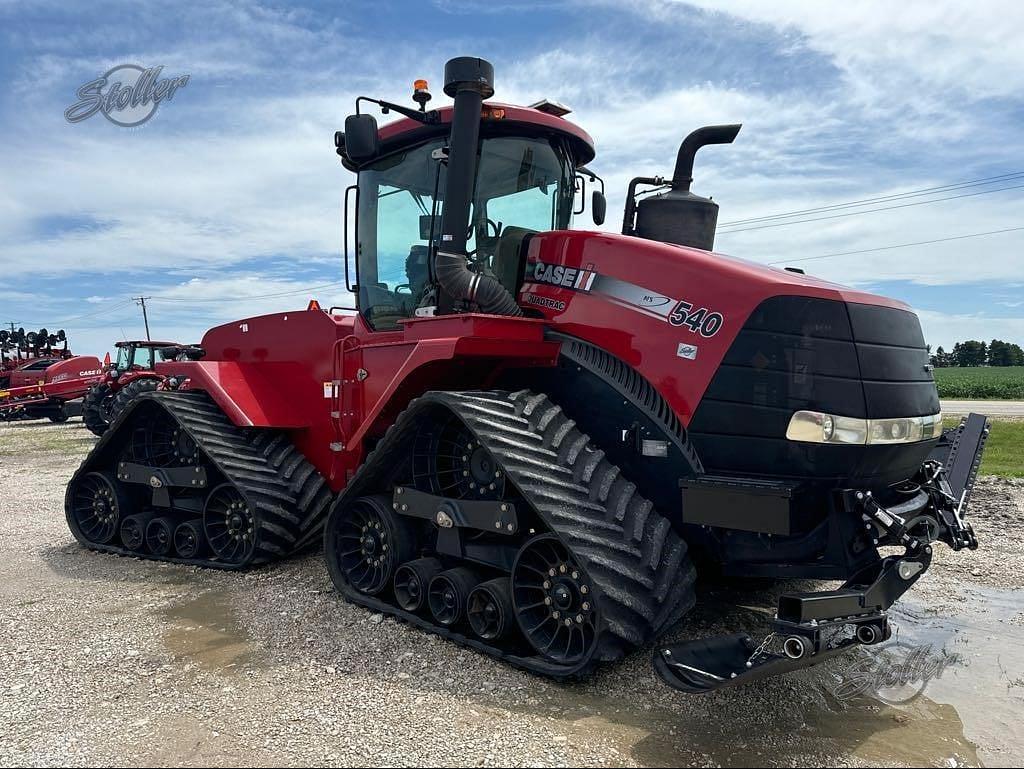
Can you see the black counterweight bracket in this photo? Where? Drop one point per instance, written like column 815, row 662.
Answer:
column 496, row 517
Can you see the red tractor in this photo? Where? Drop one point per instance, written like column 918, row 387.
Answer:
column 133, row 373
column 525, row 436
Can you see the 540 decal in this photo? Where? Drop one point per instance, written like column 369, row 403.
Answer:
column 699, row 320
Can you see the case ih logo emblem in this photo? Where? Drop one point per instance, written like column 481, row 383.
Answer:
column 127, row 95
column 565, row 277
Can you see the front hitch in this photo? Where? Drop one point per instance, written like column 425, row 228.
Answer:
column 811, row 627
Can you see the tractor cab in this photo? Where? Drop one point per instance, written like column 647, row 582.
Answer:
column 138, row 356
column 527, row 176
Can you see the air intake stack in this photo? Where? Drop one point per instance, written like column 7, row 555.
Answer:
column 677, row 215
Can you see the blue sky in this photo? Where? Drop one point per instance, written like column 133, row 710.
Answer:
column 233, row 191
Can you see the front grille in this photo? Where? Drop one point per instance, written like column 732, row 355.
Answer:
column 802, row 353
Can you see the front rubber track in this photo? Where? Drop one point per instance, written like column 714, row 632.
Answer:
column 643, row 575
column 91, row 405
column 288, row 497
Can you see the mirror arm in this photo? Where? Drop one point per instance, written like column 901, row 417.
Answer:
column 429, row 118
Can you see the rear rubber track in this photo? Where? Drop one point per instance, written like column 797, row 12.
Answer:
column 643, row 575
column 288, row 498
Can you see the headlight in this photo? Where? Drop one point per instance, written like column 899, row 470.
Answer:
column 816, row 427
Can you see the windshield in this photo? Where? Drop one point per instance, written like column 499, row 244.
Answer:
column 523, row 185
column 134, row 356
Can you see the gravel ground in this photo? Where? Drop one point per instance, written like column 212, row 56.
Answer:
column 114, row 661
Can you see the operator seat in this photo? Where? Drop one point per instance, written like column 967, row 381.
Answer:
column 509, row 262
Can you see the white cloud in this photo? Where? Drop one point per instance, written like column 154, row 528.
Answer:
column 919, row 50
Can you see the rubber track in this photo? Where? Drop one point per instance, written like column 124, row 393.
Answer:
column 639, row 564
column 90, row 409
column 288, row 497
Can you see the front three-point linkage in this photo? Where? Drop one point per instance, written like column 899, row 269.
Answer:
column 808, row 627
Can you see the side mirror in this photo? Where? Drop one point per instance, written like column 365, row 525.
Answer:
column 361, row 139
column 598, row 207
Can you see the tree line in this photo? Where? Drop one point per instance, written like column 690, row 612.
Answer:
column 975, row 353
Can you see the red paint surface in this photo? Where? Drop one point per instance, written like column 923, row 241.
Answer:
column 732, row 287
column 300, row 371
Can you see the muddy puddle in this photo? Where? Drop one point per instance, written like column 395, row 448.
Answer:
column 205, row 630
column 869, row 706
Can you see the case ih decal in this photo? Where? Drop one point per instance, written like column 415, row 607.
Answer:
column 676, row 312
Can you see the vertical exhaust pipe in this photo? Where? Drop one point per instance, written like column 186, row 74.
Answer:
column 468, row 80
column 682, row 177
column 678, row 216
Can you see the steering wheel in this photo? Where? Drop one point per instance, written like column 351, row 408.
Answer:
column 477, row 255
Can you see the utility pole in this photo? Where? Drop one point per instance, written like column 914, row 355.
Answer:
column 141, row 301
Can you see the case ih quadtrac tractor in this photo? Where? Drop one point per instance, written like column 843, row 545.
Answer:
column 131, row 374
column 527, row 436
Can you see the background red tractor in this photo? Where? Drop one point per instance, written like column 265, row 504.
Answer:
column 132, row 373
column 526, row 437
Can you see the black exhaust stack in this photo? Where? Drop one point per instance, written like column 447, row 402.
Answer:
column 468, row 80
column 678, row 216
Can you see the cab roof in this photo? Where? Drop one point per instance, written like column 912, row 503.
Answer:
column 504, row 117
column 145, row 343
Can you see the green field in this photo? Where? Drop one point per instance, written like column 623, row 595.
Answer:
column 985, row 383
column 1004, row 451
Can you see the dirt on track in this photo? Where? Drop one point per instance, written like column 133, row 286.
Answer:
column 116, row 661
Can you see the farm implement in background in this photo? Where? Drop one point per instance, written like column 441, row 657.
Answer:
column 42, row 389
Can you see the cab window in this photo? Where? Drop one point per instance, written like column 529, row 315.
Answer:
column 523, row 185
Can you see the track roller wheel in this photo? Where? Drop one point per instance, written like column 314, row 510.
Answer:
column 554, row 601
column 97, row 506
column 490, row 611
column 160, row 442
column 133, row 531
column 229, row 524
column 160, row 536
column 189, row 539
column 449, row 461
column 449, row 593
column 412, row 581
column 368, row 543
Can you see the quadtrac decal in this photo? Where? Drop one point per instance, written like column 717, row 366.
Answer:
column 675, row 312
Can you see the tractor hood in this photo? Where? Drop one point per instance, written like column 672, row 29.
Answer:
column 705, row 326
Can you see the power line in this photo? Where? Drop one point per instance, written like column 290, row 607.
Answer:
column 1012, row 176
column 872, row 210
column 247, row 298
column 898, row 245
column 66, row 321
